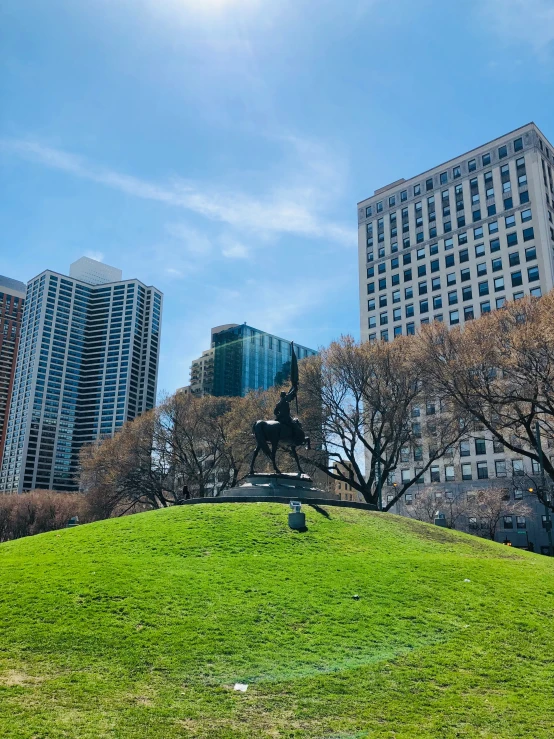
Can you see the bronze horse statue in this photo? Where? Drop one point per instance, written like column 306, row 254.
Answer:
column 275, row 433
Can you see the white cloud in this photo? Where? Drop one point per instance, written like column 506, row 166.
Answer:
column 233, row 249
column 296, row 205
column 528, row 21
column 98, row 255
column 194, row 242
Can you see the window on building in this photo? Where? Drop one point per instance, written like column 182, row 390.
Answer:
column 436, row 283
column 532, row 274
column 481, row 269
column 380, row 206
column 404, row 195
column 453, row 297
column 517, row 467
column 409, row 498
column 511, row 239
column 423, row 306
column 465, row 275
column 517, row 278
column 518, row 144
column 465, row 449
column 417, row 189
column 429, row 184
column 454, row 317
column 443, row 178
column 456, row 172
column 437, row 303
column 435, row 473
column 508, row 522
column 405, row 475
column 500, row 468
column 502, row 152
column 485, row 307
column 466, row 471
column 494, row 245
column 524, row 197
column 480, row 446
column 482, row 471
column 486, row 159
column 526, row 215
column 498, row 283
column 521, row 522
column 528, row 234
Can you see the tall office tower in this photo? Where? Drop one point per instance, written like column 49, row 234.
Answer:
column 246, row 358
column 87, row 362
column 12, row 300
column 452, row 244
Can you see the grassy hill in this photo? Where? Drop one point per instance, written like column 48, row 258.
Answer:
column 139, row 627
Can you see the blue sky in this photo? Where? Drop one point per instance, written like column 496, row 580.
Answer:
column 217, row 148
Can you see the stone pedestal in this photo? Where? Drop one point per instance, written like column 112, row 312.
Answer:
column 273, row 485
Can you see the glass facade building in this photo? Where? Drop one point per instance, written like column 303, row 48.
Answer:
column 87, row 363
column 246, row 358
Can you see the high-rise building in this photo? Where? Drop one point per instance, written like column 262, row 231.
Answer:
column 12, row 300
column 87, row 363
column 240, row 359
column 449, row 245
column 246, row 358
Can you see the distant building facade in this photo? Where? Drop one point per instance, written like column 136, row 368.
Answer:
column 87, row 363
column 12, row 301
column 246, row 358
column 451, row 244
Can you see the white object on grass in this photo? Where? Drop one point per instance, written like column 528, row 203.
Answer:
column 466, row 580
column 243, row 687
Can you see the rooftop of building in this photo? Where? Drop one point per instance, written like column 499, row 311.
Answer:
column 452, row 161
column 14, row 287
column 240, row 328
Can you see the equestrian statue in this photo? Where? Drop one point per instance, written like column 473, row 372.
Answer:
column 284, row 430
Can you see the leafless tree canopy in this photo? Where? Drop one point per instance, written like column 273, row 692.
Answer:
column 500, row 370
column 367, row 395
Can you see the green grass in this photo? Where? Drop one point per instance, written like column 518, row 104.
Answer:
column 140, row 626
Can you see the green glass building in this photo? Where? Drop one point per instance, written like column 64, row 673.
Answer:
column 246, row 358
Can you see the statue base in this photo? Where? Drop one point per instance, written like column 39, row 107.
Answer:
column 274, row 485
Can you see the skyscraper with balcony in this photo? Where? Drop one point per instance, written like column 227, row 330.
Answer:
column 451, row 244
column 87, row 363
column 12, row 300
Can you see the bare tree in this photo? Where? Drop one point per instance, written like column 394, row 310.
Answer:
column 500, row 369
column 363, row 399
column 489, row 505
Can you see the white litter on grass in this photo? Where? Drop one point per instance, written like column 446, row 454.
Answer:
column 466, row 580
column 243, row 687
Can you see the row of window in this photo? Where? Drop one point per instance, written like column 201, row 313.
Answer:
column 453, row 174
column 478, row 231
column 463, row 256
column 455, row 316
column 464, row 274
